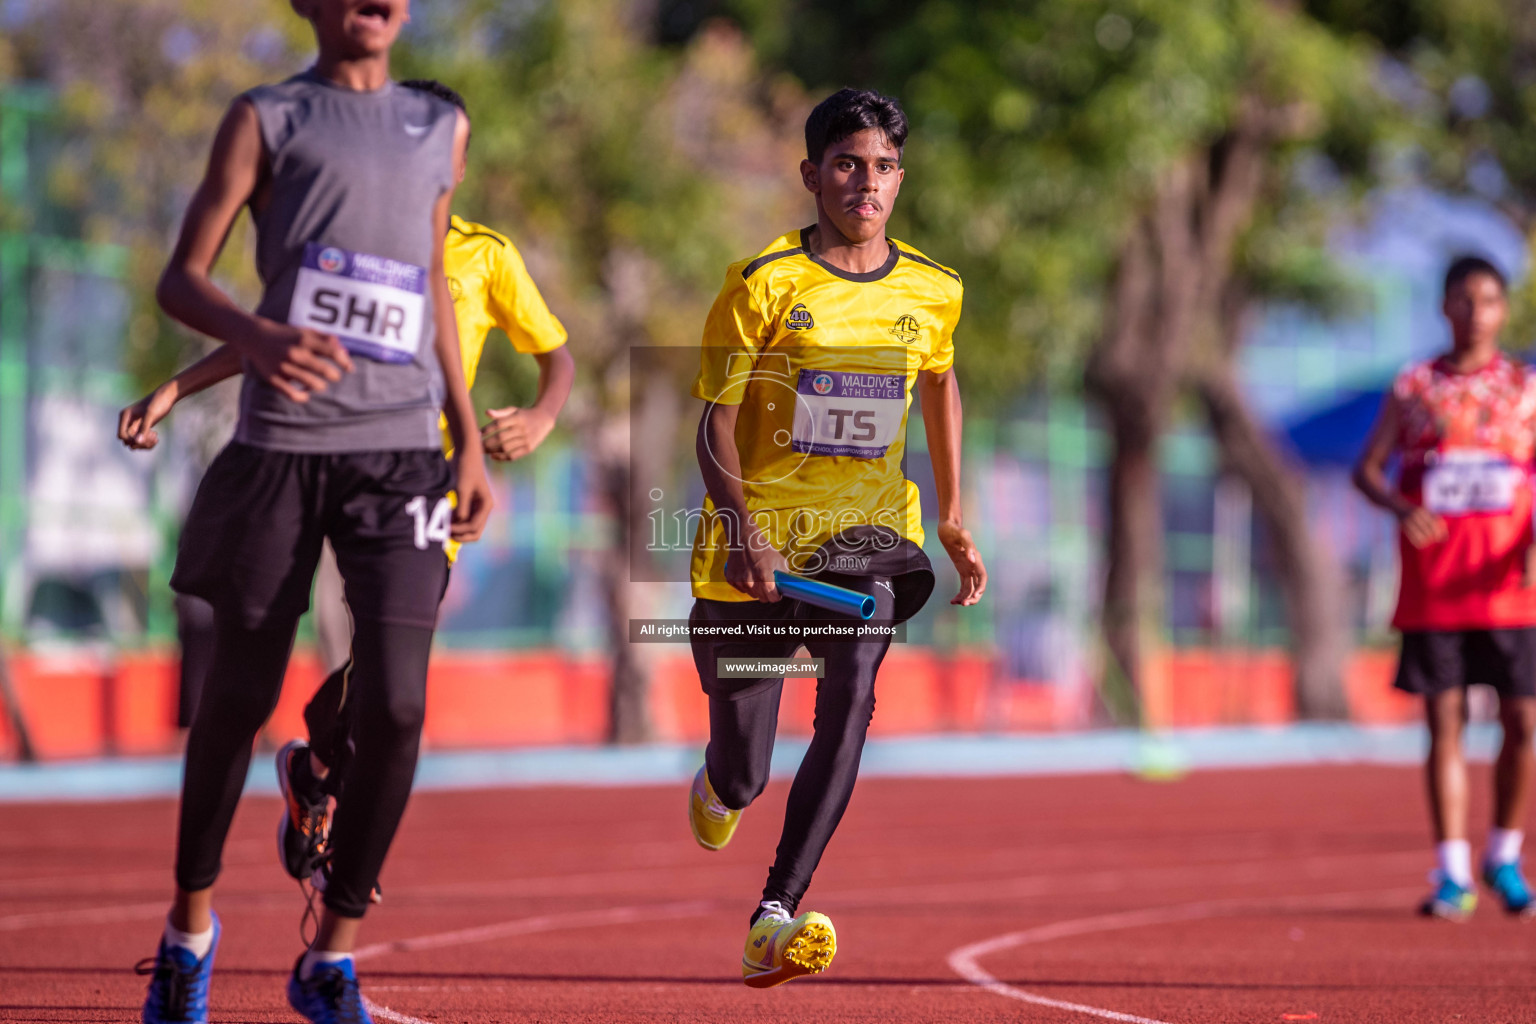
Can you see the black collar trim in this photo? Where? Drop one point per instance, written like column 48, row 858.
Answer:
column 925, row 261
column 874, row 275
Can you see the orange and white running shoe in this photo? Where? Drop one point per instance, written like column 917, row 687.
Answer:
column 305, row 828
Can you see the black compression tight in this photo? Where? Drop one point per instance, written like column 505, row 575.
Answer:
column 388, row 683
column 239, row 692
column 741, row 734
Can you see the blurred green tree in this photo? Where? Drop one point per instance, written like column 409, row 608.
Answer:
column 1118, row 182
column 1467, row 74
column 142, row 85
column 631, row 175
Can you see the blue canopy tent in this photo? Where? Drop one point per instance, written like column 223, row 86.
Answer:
column 1334, row 435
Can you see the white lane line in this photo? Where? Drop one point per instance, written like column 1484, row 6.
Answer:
column 534, row 925
column 1022, row 887
column 74, row 883
column 598, row 883
column 965, row 960
column 437, row 988
column 254, row 902
column 394, row 1016
column 84, row 915
column 521, row 926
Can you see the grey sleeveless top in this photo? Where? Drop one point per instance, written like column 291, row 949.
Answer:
column 344, row 245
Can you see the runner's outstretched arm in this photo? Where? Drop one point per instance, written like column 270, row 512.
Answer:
column 1421, row 526
column 136, row 423
column 753, row 559
column 294, row 360
column 942, row 418
column 474, row 491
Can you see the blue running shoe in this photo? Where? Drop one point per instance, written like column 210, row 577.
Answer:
column 178, row 983
column 1508, row 883
column 1449, row 901
column 329, row 996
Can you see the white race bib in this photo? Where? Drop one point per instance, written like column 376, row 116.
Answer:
column 375, row 305
column 1467, row 482
column 852, row 414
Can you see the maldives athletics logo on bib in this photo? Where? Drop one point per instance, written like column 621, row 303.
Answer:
column 822, row 383
column 331, row 260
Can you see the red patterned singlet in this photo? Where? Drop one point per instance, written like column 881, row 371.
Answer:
column 1466, row 442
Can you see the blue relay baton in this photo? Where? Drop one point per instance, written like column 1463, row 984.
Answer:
column 824, row 595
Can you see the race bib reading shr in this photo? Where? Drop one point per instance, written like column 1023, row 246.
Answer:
column 851, row 414
column 1465, row 483
column 375, row 305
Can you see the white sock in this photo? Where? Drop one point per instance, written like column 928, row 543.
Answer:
column 1455, row 857
column 773, row 908
column 317, row 957
column 197, row 943
column 1504, row 845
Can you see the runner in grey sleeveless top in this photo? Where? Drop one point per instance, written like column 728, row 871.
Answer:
column 348, row 362
column 327, row 260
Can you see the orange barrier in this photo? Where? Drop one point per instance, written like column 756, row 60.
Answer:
column 90, row 704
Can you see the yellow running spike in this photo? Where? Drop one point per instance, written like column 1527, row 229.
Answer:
column 780, row 949
column 712, row 822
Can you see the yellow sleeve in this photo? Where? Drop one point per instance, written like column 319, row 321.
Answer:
column 943, row 355
column 517, row 307
column 734, row 333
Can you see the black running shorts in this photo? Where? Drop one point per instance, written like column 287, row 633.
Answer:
column 1434, row 661
column 251, row 542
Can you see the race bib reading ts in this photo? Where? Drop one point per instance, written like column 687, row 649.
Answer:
column 375, row 305
column 850, row 414
column 1469, row 482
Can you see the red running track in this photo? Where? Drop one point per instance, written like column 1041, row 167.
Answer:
column 1224, row 897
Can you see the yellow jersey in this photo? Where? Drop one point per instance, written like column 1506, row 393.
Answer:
column 490, row 287
column 822, row 363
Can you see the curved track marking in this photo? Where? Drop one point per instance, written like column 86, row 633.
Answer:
column 964, row 961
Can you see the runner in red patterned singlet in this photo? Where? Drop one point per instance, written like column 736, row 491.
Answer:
column 1463, row 426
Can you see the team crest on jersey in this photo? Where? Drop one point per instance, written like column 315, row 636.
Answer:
column 331, row 260
column 800, row 318
column 455, row 290
column 821, row 383
column 907, row 329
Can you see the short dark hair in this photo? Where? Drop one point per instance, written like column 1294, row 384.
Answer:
column 1463, row 267
column 848, row 112
column 438, row 89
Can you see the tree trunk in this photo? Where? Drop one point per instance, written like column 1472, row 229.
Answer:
column 13, row 714
column 1133, row 374
column 1309, row 577
column 634, row 454
column 629, row 718
column 1173, row 273
column 1133, row 584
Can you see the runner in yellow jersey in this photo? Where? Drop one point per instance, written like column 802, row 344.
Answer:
column 809, row 361
column 490, row 287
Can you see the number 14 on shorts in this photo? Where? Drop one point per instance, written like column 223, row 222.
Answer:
column 433, row 528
